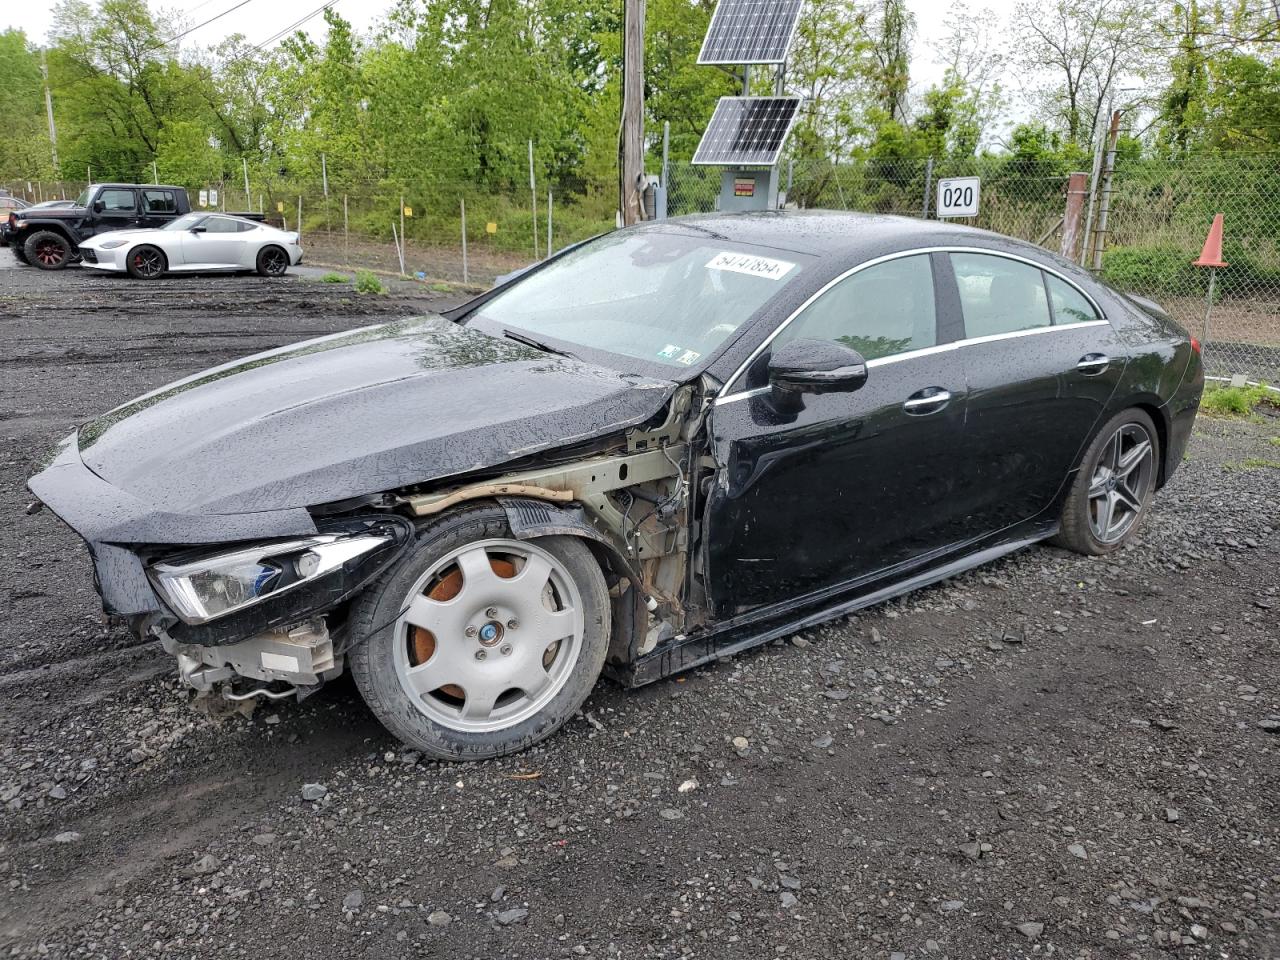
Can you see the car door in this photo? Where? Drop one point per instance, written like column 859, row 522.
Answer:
column 158, row 206
column 115, row 208
column 853, row 485
column 1042, row 364
column 215, row 242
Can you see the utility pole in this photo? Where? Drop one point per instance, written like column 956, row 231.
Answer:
column 48, row 106
column 631, row 139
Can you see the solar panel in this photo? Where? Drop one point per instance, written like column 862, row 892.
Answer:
column 750, row 31
column 747, row 131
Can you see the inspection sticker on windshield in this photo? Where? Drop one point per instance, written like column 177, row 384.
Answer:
column 668, row 352
column 688, row 358
column 750, row 264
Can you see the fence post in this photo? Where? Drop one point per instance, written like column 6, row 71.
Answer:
column 399, row 248
column 462, row 202
column 1104, row 201
column 346, row 237
column 1086, row 249
column 1071, row 217
column 928, row 186
column 299, row 218
column 533, row 201
column 548, row 223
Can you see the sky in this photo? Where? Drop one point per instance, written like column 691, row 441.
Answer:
column 261, row 19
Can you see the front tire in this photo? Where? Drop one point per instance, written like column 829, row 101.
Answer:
column 477, row 644
column 20, row 254
column 272, row 262
column 146, row 262
column 47, row 250
column 1113, row 489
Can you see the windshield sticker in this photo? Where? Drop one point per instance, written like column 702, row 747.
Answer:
column 750, row 264
column 668, row 352
column 688, row 358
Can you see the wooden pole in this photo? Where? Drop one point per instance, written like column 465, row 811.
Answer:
column 631, row 137
column 299, row 218
column 346, row 236
column 1077, row 189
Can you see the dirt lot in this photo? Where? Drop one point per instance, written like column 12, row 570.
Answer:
column 1049, row 756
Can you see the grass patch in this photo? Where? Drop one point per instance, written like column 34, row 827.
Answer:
column 1225, row 401
column 368, row 282
column 335, row 278
column 1253, row 463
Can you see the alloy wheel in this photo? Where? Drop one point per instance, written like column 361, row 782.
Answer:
column 148, row 262
column 489, row 635
column 274, row 261
column 51, row 253
column 1121, row 481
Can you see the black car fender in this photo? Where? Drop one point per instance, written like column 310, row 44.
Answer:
column 31, row 225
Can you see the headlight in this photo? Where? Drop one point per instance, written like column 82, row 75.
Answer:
column 112, row 244
column 210, row 587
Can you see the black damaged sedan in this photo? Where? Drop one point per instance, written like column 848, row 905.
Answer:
column 662, row 446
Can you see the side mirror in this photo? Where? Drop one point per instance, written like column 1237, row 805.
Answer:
column 199, row 229
column 814, row 366
column 97, row 206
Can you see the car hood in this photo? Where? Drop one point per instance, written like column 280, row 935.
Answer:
column 99, row 238
column 353, row 414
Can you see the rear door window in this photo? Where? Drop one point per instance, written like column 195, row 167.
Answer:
column 221, row 225
column 999, row 295
column 159, row 201
column 1069, row 304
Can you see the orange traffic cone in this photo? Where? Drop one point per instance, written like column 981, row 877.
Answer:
column 1211, row 255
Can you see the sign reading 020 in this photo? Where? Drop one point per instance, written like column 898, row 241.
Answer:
column 958, row 197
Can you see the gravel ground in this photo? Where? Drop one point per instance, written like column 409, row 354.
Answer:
column 1048, row 756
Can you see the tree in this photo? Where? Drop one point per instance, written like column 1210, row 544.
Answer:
column 24, row 145
column 832, row 64
column 1089, row 47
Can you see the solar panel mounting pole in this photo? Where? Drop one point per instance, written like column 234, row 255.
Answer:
column 631, row 138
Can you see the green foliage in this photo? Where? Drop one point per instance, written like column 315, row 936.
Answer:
column 1225, row 401
column 335, row 278
column 367, row 282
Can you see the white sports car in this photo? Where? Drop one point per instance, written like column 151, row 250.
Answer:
column 197, row 242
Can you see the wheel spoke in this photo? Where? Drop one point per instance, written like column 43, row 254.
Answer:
column 441, row 670
column 1134, row 458
column 445, row 619
column 1106, row 513
column 530, row 583
column 1113, row 454
column 477, row 574
column 1127, row 497
column 553, row 625
column 1098, row 488
column 480, row 701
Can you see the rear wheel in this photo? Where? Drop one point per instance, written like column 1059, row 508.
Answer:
column 1113, row 489
column 479, row 644
column 272, row 261
column 47, row 250
column 146, row 262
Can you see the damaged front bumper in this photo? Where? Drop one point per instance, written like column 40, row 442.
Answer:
column 280, row 636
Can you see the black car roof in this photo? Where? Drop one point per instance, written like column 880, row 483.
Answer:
column 853, row 236
column 140, row 186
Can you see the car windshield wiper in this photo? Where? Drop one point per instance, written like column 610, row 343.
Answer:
column 529, row 341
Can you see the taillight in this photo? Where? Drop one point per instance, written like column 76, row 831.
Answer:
column 1195, row 345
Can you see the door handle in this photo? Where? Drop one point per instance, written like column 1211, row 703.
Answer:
column 928, row 400
column 1092, row 364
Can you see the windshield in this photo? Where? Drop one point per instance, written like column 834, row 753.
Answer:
column 83, row 199
column 667, row 297
column 184, row 223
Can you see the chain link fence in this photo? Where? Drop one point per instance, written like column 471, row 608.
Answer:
column 1159, row 212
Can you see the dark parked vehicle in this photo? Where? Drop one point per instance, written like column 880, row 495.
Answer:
column 49, row 237
column 669, row 444
column 9, row 204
